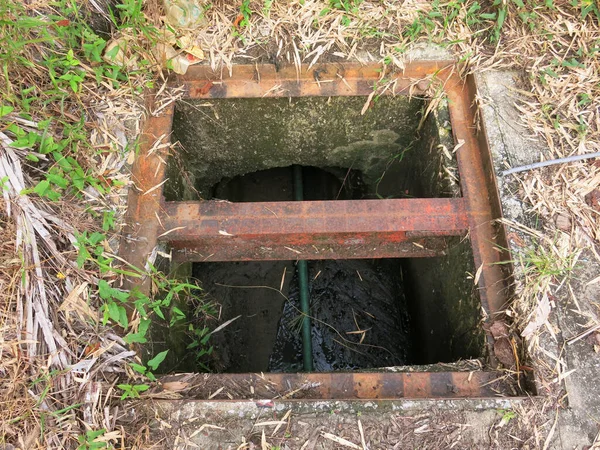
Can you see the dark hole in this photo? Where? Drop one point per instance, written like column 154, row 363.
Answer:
column 367, row 314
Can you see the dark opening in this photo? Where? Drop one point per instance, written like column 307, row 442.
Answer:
column 366, row 314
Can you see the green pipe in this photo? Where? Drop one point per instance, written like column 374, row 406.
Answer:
column 303, row 281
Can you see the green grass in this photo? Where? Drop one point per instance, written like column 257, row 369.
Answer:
column 51, row 65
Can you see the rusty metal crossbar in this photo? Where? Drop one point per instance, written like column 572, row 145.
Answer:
column 350, row 385
column 398, row 228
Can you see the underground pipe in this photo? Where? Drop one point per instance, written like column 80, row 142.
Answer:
column 303, row 281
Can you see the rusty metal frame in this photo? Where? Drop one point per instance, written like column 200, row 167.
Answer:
column 151, row 219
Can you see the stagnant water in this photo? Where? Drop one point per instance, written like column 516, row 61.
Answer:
column 359, row 318
column 358, row 312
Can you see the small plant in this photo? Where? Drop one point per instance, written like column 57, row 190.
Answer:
column 132, row 390
column 350, row 6
column 507, row 416
column 89, row 441
column 542, row 261
column 246, row 13
column 267, row 7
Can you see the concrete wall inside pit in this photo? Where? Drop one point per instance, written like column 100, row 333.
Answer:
column 231, row 137
column 234, row 137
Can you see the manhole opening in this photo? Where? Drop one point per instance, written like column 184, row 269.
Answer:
column 366, row 313
column 416, row 214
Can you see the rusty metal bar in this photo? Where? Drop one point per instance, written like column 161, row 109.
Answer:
column 348, row 79
column 350, row 386
column 223, row 231
column 145, row 195
column 478, row 194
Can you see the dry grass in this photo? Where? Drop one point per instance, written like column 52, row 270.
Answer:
column 48, row 309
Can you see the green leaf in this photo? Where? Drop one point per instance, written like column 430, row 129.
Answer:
column 78, row 180
column 135, row 338
column 47, row 145
column 62, row 162
column 94, row 434
column 53, row 195
column 501, row 17
column 96, row 237
column 4, row 110
column 140, row 388
column 104, row 290
column 109, row 293
column 143, row 326
column 114, row 312
column 58, row 180
column 138, row 368
column 83, row 256
column 159, row 312
column 42, row 187
column 112, row 52
column 178, row 312
column 155, row 362
column 123, row 320
column 32, row 157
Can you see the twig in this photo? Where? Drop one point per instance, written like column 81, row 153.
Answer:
column 550, row 163
column 582, row 335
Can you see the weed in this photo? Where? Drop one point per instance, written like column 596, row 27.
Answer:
column 349, row 6
column 507, row 416
column 246, row 13
column 132, row 390
column 587, row 7
column 267, row 7
column 89, row 441
column 542, row 261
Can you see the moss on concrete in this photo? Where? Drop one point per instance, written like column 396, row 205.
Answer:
column 239, row 136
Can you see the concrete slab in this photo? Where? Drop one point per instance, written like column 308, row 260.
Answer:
column 578, row 422
column 398, row 424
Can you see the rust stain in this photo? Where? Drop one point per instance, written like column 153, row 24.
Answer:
column 202, row 90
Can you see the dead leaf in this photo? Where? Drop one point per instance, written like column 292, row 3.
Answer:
column 75, row 303
column 499, row 329
column 593, row 199
column 504, row 352
column 478, row 274
column 175, row 386
column 341, row 441
column 263, row 442
column 563, row 222
column 540, row 316
column 367, row 103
